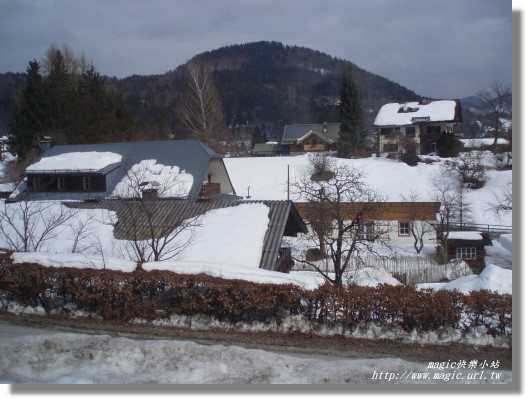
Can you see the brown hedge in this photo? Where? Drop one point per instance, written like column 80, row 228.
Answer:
column 116, row 295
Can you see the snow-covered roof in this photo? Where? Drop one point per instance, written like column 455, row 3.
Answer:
column 322, row 136
column 465, row 235
column 91, row 161
column 478, row 143
column 281, row 218
column 292, row 133
column 395, row 114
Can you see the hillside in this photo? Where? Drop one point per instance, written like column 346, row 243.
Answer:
column 263, row 83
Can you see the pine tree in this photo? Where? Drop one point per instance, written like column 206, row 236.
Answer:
column 29, row 117
column 61, row 96
column 258, row 136
column 352, row 132
column 90, row 107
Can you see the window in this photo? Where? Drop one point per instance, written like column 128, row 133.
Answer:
column 466, row 253
column 36, row 184
column 388, row 147
column 87, row 183
column 404, row 228
column 366, row 231
column 61, row 183
column 409, row 130
column 385, row 131
column 434, row 129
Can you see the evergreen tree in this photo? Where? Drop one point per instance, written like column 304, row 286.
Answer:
column 258, row 136
column 60, row 93
column 90, row 107
column 352, row 132
column 447, row 145
column 29, row 117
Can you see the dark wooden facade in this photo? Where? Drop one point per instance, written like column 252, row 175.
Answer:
column 72, row 182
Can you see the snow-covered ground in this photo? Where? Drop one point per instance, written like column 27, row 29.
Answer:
column 267, row 179
column 38, row 356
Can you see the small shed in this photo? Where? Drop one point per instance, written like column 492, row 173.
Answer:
column 468, row 246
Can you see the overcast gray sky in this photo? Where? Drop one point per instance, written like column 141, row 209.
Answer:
column 438, row 48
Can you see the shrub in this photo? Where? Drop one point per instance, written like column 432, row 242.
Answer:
column 116, row 295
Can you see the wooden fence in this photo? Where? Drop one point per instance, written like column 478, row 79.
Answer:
column 408, row 270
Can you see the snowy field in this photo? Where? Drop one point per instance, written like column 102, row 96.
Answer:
column 267, row 179
column 36, row 356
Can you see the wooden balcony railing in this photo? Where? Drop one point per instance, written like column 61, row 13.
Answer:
column 208, row 189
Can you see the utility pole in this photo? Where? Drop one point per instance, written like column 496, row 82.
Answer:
column 288, row 182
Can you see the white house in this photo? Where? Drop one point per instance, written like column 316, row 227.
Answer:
column 393, row 222
column 415, row 126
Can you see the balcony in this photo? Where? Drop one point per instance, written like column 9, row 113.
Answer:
column 209, row 189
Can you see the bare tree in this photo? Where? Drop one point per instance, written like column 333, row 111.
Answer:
column 201, row 110
column 30, row 225
column 502, row 201
column 469, row 169
column 75, row 65
column 339, row 209
column 496, row 102
column 418, row 225
column 455, row 209
column 149, row 230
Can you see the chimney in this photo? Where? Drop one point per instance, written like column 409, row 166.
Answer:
column 150, row 194
column 45, row 144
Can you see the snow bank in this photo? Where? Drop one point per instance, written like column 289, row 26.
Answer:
column 372, row 276
column 79, row 261
column 76, row 161
column 506, row 241
column 492, row 278
column 67, row 358
column 170, row 181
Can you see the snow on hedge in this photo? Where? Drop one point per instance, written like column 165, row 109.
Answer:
column 78, row 261
column 76, row 161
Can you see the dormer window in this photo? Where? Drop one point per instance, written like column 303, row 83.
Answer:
column 87, row 184
column 61, row 183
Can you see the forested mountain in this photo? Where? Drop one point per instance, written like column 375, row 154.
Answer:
column 263, row 83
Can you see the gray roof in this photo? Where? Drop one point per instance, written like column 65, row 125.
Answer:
column 284, row 219
column 293, row 132
column 189, row 155
column 265, row 148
